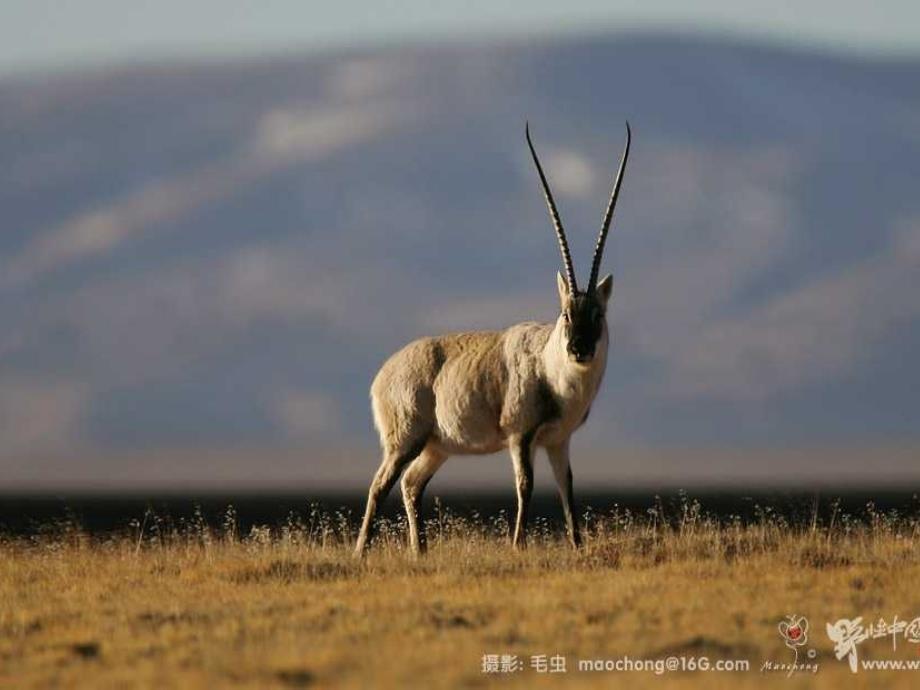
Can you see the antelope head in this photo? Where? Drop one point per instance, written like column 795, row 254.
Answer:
column 582, row 317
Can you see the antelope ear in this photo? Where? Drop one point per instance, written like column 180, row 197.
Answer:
column 563, row 288
column 605, row 288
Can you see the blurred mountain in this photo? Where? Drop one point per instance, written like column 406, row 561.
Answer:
column 221, row 254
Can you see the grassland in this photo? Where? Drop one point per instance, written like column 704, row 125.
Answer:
column 162, row 604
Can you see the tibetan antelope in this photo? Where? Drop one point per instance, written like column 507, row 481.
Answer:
column 528, row 386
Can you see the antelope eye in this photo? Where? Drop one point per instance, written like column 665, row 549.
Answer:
column 565, row 317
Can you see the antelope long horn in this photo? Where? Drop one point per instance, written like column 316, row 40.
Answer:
column 554, row 214
column 602, row 237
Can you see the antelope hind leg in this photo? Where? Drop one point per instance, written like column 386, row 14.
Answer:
column 387, row 474
column 414, row 481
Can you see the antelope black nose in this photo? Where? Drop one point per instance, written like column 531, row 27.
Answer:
column 581, row 353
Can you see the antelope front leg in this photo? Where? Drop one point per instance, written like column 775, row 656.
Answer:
column 562, row 471
column 522, row 458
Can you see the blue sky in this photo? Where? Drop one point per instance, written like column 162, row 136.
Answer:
column 201, row 261
column 208, row 257
column 50, row 34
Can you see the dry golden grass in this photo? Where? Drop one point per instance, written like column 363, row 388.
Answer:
column 194, row 606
